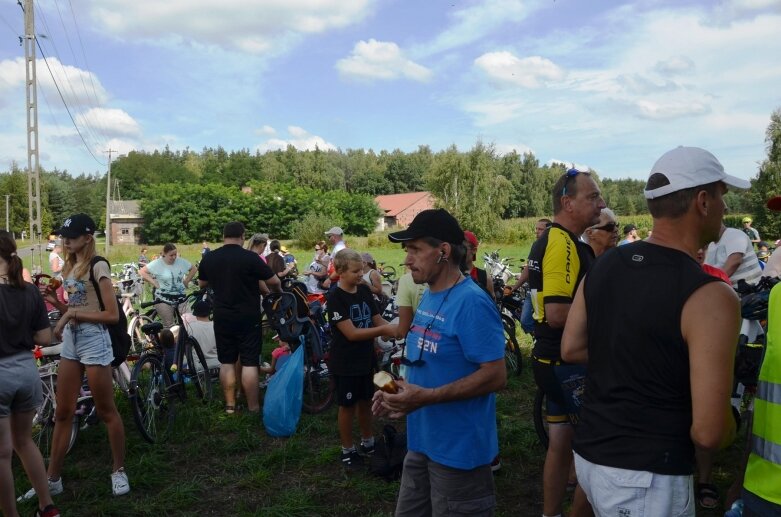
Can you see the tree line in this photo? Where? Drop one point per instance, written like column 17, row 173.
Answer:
column 479, row 185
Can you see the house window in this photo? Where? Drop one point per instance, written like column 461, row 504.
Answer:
column 125, row 231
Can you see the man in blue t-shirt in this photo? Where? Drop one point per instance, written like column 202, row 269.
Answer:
column 455, row 363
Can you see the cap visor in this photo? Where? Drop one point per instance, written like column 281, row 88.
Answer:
column 774, row 203
column 732, row 181
column 402, row 236
column 66, row 232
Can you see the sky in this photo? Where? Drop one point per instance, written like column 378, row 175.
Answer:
column 599, row 84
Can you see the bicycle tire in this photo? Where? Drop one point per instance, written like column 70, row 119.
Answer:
column 197, row 370
column 318, row 382
column 43, row 421
column 153, row 404
column 138, row 340
column 540, row 423
column 513, row 357
column 389, row 273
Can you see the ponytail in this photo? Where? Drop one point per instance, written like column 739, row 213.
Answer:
column 8, row 253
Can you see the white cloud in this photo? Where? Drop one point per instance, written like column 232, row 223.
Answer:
column 528, row 72
column 674, row 65
column 503, row 149
column 266, row 130
column 666, row 110
column 380, row 60
column 473, row 23
column 569, row 164
column 252, row 26
column 80, row 88
column 112, row 122
column 300, row 138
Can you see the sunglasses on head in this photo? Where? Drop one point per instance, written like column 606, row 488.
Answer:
column 571, row 173
column 609, row 227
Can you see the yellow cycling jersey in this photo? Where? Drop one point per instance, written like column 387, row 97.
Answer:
column 557, row 263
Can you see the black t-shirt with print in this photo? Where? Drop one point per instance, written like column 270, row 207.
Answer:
column 233, row 274
column 22, row 314
column 351, row 357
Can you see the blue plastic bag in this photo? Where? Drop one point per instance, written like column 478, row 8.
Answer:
column 284, row 396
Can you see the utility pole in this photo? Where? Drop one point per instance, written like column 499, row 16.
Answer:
column 33, row 171
column 6, row 212
column 108, row 201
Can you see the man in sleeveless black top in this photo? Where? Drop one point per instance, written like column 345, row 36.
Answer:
column 659, row 337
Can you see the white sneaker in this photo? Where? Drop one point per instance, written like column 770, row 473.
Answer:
column 55, row 488
column 119, row 482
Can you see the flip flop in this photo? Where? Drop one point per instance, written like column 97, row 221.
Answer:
column 707, row 491
column 229, row 410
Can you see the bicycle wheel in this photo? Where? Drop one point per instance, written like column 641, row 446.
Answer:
column 318, row 383
column 43, row 421
column 540, row 422
column 512, row 351
column 197, row 370
column 154, row 407
column 389, row 273
column 138, row 340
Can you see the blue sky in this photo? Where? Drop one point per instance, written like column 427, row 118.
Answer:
column 607, row 85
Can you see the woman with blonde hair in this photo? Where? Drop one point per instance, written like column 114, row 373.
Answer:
column 86, row 346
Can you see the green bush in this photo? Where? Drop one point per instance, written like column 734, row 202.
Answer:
column 312, row 227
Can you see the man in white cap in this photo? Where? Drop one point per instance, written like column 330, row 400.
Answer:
column 660, row 355
column 336, row 238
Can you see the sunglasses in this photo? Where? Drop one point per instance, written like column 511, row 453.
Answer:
column 571, row 173
column 609, row 227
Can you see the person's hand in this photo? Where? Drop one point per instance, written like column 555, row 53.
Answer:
column 377, row 404
column 390, row 330
column 396, row 405
column 64, row 319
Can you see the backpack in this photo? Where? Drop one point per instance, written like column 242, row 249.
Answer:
column 120, row 339
column 390, row 448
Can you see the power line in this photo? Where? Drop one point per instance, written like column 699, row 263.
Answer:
column 66, row 105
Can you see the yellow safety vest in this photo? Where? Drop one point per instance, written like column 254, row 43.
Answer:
column 763, row 472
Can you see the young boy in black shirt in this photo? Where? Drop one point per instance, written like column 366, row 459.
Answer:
column 355, row 322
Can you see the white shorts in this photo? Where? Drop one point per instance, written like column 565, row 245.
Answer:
column 634, row 493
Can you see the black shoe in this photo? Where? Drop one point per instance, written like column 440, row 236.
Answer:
column 367, row 450
column 351, row 459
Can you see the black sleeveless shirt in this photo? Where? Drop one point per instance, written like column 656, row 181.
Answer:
column 637, row 409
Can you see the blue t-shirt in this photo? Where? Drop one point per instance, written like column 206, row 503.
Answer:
column 171, row 278
column 460, row 334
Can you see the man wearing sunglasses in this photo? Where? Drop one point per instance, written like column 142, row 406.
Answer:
column 660, row 354
column 557, row 262
column 455, row 363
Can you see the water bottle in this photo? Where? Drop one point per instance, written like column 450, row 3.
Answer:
column 736, row 510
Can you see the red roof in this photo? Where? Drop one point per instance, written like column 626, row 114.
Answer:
column 394, row 204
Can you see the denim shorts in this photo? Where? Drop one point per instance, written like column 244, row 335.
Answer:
column 87, row 343
column 20, row 390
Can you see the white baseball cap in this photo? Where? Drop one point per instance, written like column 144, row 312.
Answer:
column 335, row 231
column 687, row 167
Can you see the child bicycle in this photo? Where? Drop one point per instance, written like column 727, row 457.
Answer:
column 157, row 384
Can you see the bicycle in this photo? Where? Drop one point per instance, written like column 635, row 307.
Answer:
column 312, row 333
column 388, row 273
column 157, row 386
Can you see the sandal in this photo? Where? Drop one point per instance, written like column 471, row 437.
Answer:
column 229, row 410
column 707, row 495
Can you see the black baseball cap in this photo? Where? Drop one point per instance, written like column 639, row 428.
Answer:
column 628, row 228
column 436, row 223
column 75, row 226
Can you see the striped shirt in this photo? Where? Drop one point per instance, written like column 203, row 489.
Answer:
column 735, row 241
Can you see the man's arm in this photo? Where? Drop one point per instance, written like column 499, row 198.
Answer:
column 574, row 342
column 710, row 322
column 733, row 263
column 273, row 284
column 556, row 314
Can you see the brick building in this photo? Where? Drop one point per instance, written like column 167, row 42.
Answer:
column 401, row 209
column 126, row 222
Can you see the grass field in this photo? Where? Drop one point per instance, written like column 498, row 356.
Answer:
column 217, row 464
